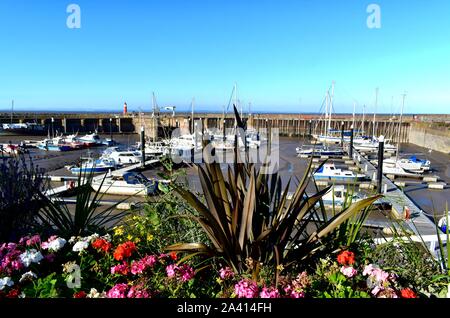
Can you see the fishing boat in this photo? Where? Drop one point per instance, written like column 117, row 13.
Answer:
column 91, row 165
column 130, row 183
column 330, row 172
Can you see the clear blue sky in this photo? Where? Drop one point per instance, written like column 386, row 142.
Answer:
column 283, row 54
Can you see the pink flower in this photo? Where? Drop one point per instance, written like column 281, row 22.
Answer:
column 295, row 294
column 34, row 240
column 348, row 271
column 270, row 292
column 186, row 272
column 137, row 267
column 150, row 260
column 226, row 273
column 121, row 269
column 118, row 291
column 246, row 289
column 171, row 270
column 138, row 292
column 380, row 275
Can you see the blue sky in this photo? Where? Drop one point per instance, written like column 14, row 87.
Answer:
column 282, row 54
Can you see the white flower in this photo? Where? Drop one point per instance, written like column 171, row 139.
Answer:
column 73, row 239
column 31, row 256
column 56, row 244
column 6, row 281
column 80, row 246
column 27, row 276
column 93, row 293
column 107, row 237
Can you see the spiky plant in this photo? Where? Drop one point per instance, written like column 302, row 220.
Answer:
column 248, row 215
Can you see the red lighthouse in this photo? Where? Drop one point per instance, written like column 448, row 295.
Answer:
column 125, row 110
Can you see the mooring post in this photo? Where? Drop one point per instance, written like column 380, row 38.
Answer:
column 350, row 149
column 342, row 135
column 143, row 146
column 380, row 163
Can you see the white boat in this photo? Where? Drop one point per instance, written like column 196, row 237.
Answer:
column 372, row 146
column 318, row 150
column 399, row 171
column 122, row 156
column 411, row 164
column 338, row 195
column 93, row 166
column 329, row 172
column 90, row 139
column 130, row 183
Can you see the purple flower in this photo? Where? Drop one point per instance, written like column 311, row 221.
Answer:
column 246, row 289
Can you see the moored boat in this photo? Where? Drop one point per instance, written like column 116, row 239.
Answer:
column 130, row 183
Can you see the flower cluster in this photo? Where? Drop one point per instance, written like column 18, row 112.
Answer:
column 184, row 272
column 124, row 250
column 226, row 273
column 124, row 291
column 139, row 266
column 246, row 288
column 54, row 244
column 102, row 244
column 346, row 258
column 380, row 282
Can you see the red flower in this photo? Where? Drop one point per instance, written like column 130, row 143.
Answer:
column 124, row 250
column 13, row 293
column 80, row 294
column 101, row 244
column 408, row 293
column 346, row 258
column 173, row 256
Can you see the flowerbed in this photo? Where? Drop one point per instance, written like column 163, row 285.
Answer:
column 122, row 266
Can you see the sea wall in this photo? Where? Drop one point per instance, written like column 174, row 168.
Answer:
column 435, row 136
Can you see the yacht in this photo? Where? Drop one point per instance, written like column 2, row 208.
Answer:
column 329, row 172
column 91, row 165
column 122, row 156
column 129, row 183
column 338, row 195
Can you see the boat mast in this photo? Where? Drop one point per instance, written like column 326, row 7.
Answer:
column 326, row 114
column 353, row 117
column 235, row 103
column 363, row 119
column 192, row 114
column 12, row 110
column 400, row 126
column 331, row 105
column 374, row 113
